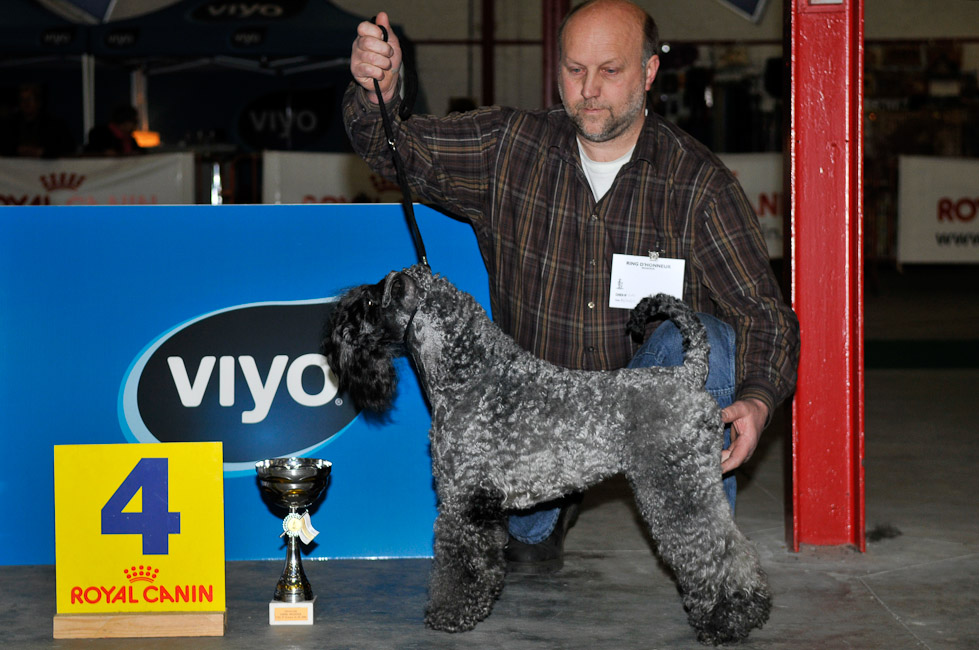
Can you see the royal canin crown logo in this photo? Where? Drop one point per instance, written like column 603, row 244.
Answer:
column 62, row 181
column 148, row 593
column 141, row 574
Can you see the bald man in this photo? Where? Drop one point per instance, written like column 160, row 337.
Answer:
column 562, row 199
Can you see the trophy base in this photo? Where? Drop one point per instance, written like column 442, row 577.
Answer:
column 124, row 625
column 283, row 613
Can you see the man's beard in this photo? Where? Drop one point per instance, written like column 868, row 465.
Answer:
column 614, row 125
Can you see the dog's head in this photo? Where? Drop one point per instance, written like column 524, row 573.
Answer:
column 365, row 333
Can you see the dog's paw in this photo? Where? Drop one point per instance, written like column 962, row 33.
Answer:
column 734, row 617
column 450, row 620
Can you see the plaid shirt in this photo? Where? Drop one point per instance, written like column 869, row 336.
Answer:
column 547, row 244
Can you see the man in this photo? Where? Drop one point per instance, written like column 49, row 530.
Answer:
column 553, row 195
column 32, row 132
column 116, row 137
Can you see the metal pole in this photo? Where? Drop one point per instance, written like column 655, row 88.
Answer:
column 552, row 13
column 489, row 52
column 88, row 94
column 138, row 97
column 826, row 195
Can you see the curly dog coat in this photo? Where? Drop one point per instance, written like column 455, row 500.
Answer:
column 510, row 431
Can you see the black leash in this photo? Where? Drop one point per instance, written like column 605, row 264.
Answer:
column 404, row 113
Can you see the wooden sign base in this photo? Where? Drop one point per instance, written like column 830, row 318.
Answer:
column 137, row 624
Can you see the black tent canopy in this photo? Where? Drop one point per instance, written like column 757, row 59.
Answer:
column 263, row 29
column 28, row 30
column 299, row 50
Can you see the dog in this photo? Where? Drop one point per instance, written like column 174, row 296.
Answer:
column 510, row 431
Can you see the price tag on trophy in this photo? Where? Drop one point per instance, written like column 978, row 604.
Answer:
column 294, row 484
column 139, row 533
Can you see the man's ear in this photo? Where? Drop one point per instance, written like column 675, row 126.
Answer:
column 652, row 67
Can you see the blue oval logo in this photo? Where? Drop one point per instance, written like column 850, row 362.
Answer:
column 249, row 376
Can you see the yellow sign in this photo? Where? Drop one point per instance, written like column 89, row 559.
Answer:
column 139, row 528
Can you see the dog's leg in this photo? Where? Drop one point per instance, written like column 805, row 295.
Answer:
column 468, row 568
column 725, row 591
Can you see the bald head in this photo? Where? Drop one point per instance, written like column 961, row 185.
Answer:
column 628, row 13
column 604, row 73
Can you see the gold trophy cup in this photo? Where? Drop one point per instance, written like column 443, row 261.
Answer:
column 294, row 483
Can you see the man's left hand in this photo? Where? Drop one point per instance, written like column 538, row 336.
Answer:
column 747, row 419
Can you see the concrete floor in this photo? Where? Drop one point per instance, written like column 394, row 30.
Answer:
column 917, row 586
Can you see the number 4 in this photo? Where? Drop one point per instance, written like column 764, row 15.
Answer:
column 155, row 523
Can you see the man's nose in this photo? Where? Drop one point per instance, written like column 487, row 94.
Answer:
column 591, row 86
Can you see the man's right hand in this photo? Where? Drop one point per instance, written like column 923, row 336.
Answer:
column 371, row 58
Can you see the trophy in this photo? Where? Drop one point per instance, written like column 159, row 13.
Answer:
column 293, row 483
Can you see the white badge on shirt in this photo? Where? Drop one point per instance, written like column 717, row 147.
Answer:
column 636, row 276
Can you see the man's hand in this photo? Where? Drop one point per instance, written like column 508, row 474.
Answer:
column 747, row 419
column 371, row 58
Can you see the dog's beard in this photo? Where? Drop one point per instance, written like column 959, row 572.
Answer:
column 358, row 351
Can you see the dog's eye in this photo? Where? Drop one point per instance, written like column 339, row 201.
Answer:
column 370, row 303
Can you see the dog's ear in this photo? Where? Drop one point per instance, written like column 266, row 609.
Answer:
column 400, row 292
column 641, row 315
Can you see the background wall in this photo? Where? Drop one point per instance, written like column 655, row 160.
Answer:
column 448, row 71
column 722, row 81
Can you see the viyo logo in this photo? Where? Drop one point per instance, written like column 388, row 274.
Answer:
column 228, row 10
column 262, row 391
column 250, row 376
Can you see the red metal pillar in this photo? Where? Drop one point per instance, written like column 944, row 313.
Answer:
column 825, row 174
column 552, row 13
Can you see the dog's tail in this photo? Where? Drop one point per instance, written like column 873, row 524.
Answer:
column 696, row 349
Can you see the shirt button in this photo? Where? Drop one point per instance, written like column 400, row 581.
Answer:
column 591, row 348
column 591, row 304
column 594, row 217
column 591, row 262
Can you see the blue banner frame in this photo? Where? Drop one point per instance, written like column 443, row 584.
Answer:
column 85, row 290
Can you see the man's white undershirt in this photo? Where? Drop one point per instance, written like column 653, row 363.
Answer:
column 601, row 174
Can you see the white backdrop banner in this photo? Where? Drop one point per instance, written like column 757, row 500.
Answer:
column 938, row 210
column 760, row 175
column 162, row 179
column 290, row 177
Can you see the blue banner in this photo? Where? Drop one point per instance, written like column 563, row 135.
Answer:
column 177, row 323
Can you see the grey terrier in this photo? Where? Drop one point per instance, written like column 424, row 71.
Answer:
column 510, row 431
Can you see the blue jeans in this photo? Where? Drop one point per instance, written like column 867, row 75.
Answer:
column 664, row 347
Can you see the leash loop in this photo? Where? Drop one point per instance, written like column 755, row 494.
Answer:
column 399, row 169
